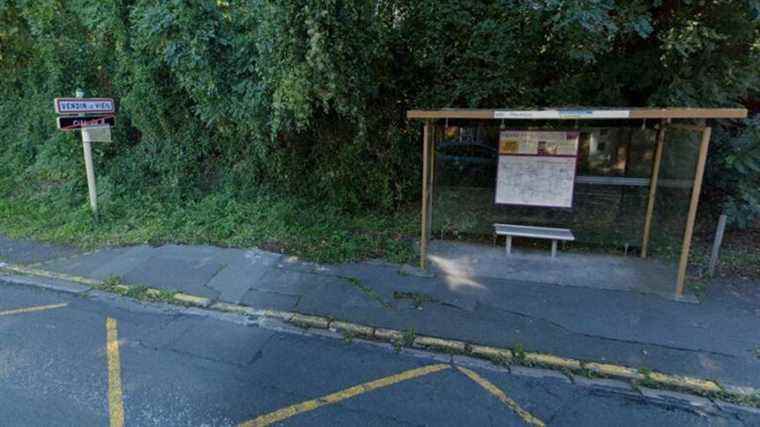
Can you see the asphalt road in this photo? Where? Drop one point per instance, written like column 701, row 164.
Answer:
column 62, row 362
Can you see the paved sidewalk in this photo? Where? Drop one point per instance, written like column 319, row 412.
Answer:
column 719, row 338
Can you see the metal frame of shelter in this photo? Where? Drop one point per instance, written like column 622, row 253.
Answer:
column 665, row 116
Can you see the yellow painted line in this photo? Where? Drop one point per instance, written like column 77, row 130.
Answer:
column 310, row 405
column 525, row 415
column 50, row 274
column 32, row 309
column 115, row 397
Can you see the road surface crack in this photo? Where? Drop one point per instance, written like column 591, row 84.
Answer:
column 622, row 340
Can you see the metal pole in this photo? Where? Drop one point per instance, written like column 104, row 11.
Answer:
column 89, row 167
column 716, row 243
column 87, row 147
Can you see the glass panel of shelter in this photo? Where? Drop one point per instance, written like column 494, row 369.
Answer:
column 610, row 194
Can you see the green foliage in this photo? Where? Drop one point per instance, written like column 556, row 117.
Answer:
column 271, row 222
column 224, row 104
column 735, row 172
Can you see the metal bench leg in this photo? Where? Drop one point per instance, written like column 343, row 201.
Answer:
column 554, row 248
column 509, row 245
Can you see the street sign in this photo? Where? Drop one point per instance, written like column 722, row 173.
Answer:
column 96, row 127
column 83, row 105
column 79, row 122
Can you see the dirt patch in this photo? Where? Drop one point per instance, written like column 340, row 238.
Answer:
column 273, row 246
column 740, row 255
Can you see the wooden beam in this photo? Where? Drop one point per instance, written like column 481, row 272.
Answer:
column 660, row 139
column 449, row 114
column 693, row 205
column 437, row 135
column 426, row 167
column 688, row 113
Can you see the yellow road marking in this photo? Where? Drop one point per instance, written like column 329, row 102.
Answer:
column 115, row 397
column 311, row 405
column 32, row 309
column 525, row 415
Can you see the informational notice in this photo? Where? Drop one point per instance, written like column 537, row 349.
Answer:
column 536, row 168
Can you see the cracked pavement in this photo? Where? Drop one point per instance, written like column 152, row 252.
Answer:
column 715, row 339
column 191, row 367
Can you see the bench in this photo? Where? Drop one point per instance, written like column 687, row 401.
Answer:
column 553, row 234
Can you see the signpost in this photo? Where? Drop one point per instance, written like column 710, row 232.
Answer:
column 94, row 117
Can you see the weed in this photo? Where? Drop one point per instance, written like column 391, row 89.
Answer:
column 501, row 360
column 112, row 282
column 348, row 337
column 519, row 352
column 160, row 295
column 586, row 373
column 699, row 287
column 115, row 285
column 407, row 339
column 137, row 292
column 371, row 293
column 647, row 381
column 418, row 299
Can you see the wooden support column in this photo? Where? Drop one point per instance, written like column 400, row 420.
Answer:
column 660, row 140
column 427, row 199
column 693, row 205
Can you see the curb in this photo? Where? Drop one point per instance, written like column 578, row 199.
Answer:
column 637, row 378
column 49, row 274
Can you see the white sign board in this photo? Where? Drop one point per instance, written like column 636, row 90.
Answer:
column 83, row 105
column 562, row 114
column 536, row 168
column 96, row 134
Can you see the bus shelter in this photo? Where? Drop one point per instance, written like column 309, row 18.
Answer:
column 529, row 144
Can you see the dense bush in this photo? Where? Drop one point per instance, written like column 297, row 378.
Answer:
column 307, row 97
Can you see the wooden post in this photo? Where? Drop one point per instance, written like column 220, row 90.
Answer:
column 660, row 139
column 435, row 135
column 693, row 205
column 716, row 244
column 426, row 196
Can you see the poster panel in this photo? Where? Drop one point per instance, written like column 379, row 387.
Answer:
column 536, row 168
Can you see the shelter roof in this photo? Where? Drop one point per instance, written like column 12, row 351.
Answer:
column 581, row 113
